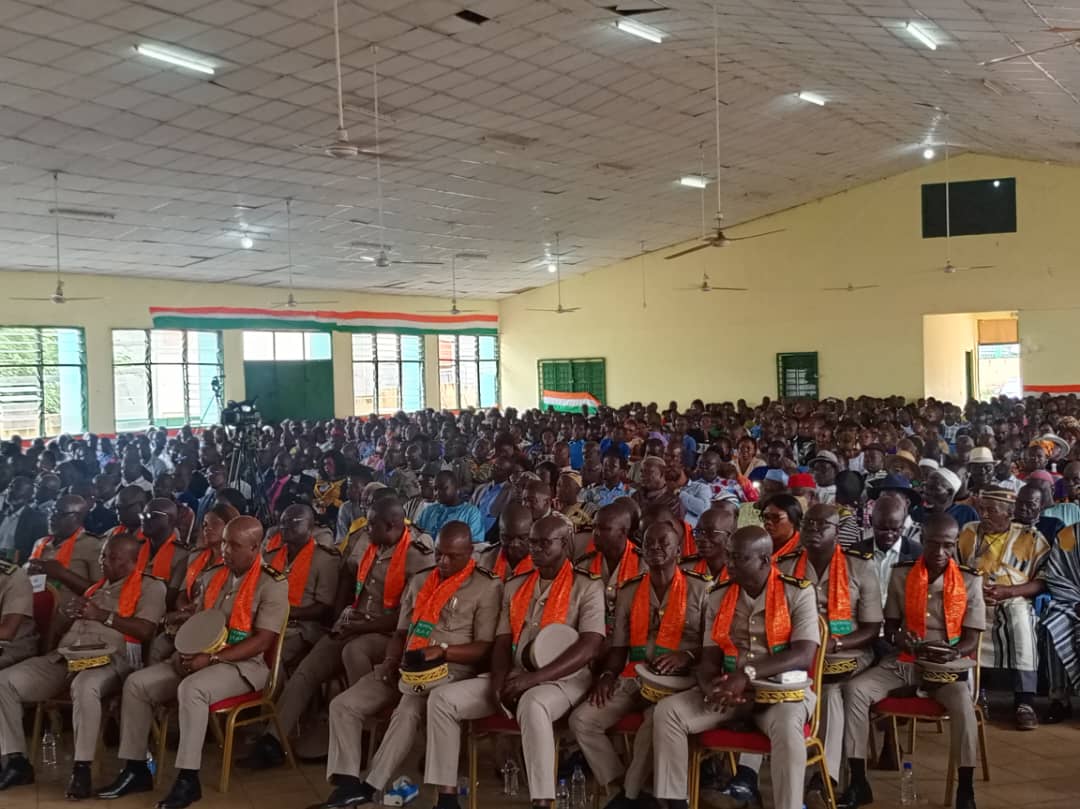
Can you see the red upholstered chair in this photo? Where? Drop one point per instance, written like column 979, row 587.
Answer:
column 916, row 709
column 731, row 742
column 46, row 604
column 260, row 703
column 490, row 726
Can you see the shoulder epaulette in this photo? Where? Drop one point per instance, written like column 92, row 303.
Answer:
column 586, row 556
column 694, row 557
column 274, row 572
column 907, row 563
column 593, row 576
column 630, row 581
column 485, row 572
column 792, row 555
column 208, row 568
column 333, row 550
column 970, row 570
column 152, row 576
column 859, row 554
column 720, row 585
column 802, row 584
column 420, row 546
column 7, row 568
column 694, row 574
column 517, row 576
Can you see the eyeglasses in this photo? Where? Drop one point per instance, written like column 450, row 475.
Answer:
column 149, row 515
column 67, row 513
column 711, row 533
column 822, row 524
column 542, row 542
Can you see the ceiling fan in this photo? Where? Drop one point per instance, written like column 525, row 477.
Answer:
column 342, row 147
column 851, row 288
column 718, row 238
column 705, row 286
column 559, row 308
column 948, row 267
column 1026, row 54
column 58, row 295
column 453, row 281
column 290, row 302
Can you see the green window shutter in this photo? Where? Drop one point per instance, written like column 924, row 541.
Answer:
column 797, row 375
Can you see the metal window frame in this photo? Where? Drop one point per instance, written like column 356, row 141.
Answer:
column 40, row 366
column 401, row 363
column 458, row 362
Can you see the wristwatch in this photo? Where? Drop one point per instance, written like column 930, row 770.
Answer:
column 750, row 672
column 444, row 646
column 109, row 619
column 214, row 659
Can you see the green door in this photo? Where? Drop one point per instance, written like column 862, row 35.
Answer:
column 797, row 375
column 301, row 389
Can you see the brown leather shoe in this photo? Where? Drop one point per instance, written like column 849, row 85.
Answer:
column 1026, row 718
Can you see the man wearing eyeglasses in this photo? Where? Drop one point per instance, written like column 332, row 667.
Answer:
column 510, row 555
column 162, row 555
column 68, row 555
column 711, row 536
column 612, row 556
column 553, row 593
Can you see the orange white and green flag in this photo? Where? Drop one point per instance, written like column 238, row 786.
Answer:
column 568, row 402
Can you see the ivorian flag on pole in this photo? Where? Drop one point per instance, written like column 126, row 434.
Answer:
column 568, row 402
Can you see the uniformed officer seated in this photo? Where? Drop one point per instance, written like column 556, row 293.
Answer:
column 256, row 600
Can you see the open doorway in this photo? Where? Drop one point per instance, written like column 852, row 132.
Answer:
column 970, row 354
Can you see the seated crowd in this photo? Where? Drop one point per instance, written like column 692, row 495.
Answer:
column 567, row 571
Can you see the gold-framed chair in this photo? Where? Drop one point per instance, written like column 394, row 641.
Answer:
column 231, row 708
column 733, row 742
column 490, row 726
column 925, row 709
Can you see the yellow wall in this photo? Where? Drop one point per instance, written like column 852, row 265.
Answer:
column 1048, row 343
column 723, row 345
column 946, row 339
column 126, row 305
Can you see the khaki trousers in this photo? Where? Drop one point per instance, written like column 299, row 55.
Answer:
column 589, row 726
column 678, row 716
column 862, row 691
column 537, row 712
column 42, row 678
column 159, row 684
column 349, row 712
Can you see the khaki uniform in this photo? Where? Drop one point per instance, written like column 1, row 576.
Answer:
column 538, row 709
column 357, row 655
column 864, row 590
column 160, row 683
column 85, row 562
column 321, row 587
column 610, row 579
column 676, row 717
column 590, row 724
column 17, row 598
column 471, row 615
column 45, row 677
column 177, row 566
column 875, row 684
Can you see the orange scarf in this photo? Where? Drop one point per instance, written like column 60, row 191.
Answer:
column 430, row 602
column 162, row 564
column 197, row 566
column 789, row 547
column 777, row 619
column 301, row 568
column 243, row 610
column 558, row 601
column 689, row 546
column 672, row 619
column 129, row 597
column 840, row 622
column 628, row 564
column 394, row 585
column 502, row 566
column 916, row 591
column 63, row 554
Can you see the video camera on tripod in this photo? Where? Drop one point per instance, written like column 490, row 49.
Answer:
column 238, row 415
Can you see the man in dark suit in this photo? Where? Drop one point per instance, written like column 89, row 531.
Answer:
column 892, row 537
column 21, row 524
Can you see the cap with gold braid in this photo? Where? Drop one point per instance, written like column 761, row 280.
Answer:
column 204, row 632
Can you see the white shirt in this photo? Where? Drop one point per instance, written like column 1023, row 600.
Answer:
column 884, row 561
column 826, row 494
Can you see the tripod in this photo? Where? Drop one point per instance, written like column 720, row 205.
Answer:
column 244, row 468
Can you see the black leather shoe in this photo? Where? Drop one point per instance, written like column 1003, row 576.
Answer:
column 78, row 788
column 1058, row 712
column 185, row 791
column 17, row 772
column 743, row 788
column 620, row 801
column 349, row 795
column 965, row 801
column 858, row 793
column 265, row 755
column 132, row 779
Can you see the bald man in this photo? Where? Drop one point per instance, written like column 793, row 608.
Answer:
column 162, row 555
column 68, row 555
column 256, row 600
column 510, row 555
column 612, row 556
column 536, row 497
column 892, row 538
column 448, row 615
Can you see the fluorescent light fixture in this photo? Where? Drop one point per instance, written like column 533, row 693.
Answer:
column 552, row 267
column 640, row 30
column 813, row 98
column 928, row 153
column 175, row 58
column 693, row 181
column 247, row 242
column 921, row 35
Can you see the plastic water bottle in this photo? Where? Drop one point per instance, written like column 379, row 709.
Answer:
column 151, row 765
column 463, row 786
column 562, row 795
column 908, row 794
column 510, row 778
column 984, row 704
column 578, row 799
column 48, row 753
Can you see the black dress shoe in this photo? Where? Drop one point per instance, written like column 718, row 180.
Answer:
column 16, row 772
column 78, row 788
column 620, row 801
column 133, row 778
column 1058, row 712
column 265, row 755
column 349, row 795
column 858, row 793
column 743, row 788
column 185, row 791
column 965, row 801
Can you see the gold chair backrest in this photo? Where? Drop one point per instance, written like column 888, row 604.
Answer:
column 818, row 672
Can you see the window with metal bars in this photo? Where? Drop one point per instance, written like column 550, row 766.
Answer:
column 388, row 373
column 165, row 377
column 42, row 381
column 468, row 371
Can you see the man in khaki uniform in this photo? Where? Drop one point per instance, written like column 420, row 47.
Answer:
column 537, row 699
column 612, row 556
column 851, row 633
column 358, row 640
column 510, row 555
column 18, row 634
column 163, row 554
column 255, row 600
column 933, row 580
column 461, row 637
column 288, row 552
column 743, row 642
column 125, row 603
column 616, row 691
column 68, row 555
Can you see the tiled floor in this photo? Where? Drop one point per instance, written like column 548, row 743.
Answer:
column 1036, row 770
